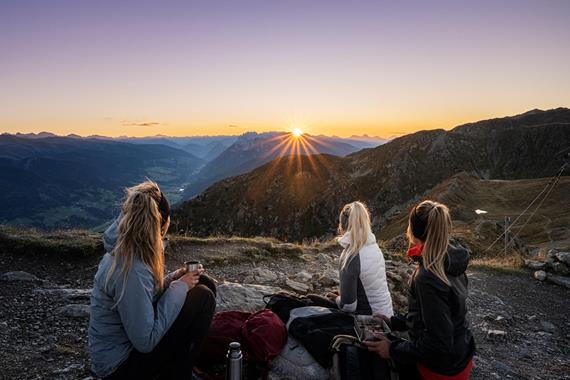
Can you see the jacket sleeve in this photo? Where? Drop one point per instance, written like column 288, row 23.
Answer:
column 144, row 323
column 385, row 297
column 347, row 301
column 437, row 337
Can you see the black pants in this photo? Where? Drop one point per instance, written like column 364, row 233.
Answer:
column 174, row 355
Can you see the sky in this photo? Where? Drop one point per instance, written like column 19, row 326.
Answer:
column 184, row 68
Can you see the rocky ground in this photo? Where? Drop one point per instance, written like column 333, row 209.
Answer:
column 521, row 325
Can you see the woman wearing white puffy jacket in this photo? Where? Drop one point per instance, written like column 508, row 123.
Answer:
column 363, row 285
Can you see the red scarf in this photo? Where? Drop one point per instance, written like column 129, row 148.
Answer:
column 416, row 251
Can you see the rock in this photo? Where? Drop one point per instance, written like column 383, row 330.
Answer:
column 540, row 275
column 295, row 362
column 264, row 276
column 550, row 257
column 304, row 276
column 18, row 276
column 68, row 294
column 547, row 326
column 563, row 257
column 75, row 311
column 560, row 268
column 297, row 286
column 330, row 277
column 535, row 265
column 560, row 280
column 496, row 335
column 244, row 297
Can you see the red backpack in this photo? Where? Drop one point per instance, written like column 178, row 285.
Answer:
column 262, row 335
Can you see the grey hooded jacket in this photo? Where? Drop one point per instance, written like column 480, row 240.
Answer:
column 128, row 315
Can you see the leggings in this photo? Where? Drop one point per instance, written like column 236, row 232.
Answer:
column 174, row 355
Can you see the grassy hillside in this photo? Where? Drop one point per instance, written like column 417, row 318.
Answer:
column 549, row 227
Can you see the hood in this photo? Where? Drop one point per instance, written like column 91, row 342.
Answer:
column 456, row 260
column 344, row 240
column 110, row 235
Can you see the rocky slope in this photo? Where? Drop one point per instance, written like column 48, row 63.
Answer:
column 44, row 297
column 531, row 145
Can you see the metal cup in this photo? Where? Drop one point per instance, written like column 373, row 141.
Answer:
column 192, row 266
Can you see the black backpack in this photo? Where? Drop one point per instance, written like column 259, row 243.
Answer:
column 283, row 302
column 352, row 361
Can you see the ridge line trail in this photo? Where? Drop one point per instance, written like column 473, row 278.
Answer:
column 37, row 342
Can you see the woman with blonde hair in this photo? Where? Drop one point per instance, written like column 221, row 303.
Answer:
column 441, row 346
column 142, row 323
column 363, row 286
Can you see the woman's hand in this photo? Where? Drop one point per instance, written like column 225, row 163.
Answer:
column 191, row 278
column 331, row 296
column 381, row 346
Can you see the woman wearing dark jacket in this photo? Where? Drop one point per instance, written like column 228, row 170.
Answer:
column 441, row 345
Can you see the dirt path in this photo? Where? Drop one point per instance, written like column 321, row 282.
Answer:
column 36, row 342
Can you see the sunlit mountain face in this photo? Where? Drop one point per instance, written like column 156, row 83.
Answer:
column 253, row 150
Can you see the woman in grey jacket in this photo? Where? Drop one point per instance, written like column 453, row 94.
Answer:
column 142, row 323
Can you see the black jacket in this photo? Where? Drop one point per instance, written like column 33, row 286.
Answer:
column 439, row 334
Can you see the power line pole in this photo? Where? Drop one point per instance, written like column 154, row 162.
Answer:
column 507, row 222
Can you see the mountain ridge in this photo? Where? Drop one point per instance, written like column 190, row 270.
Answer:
column 389, row 175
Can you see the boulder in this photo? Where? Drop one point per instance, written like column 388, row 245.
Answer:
column 75, row 311
column 540, row 275
column 297, row 286
column 303, row 276
column 264, row 276
column 560, row 280
column 295, row 362
column 330, row 277
column 563, row 257
column 535, row 265
column 550, row 257
column 243, row 297
column 560, row 268
column 68, row 294
column 19, row 276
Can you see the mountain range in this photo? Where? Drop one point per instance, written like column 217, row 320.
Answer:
column 251, row 150
column 51, row 181
column 298, row 197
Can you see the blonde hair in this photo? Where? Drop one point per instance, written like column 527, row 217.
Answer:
column 354, row 220
column 430, row 222
column 141, row 229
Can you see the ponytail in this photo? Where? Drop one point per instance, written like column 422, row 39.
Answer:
column 430, row 222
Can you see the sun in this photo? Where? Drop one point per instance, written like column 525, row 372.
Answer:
column 297, row 132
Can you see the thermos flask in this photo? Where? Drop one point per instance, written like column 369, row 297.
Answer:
column 234, row 362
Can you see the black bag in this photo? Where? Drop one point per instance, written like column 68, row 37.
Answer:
column 352, row 361
column 317, row 332
column 283, row 302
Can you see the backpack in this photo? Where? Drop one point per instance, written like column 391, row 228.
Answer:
column 352, row 361
column 226, row 327
column 317, row 332
column 262, row 336
column 283, row 302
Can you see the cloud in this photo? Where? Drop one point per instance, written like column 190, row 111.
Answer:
column 233, row 126
column 136, row 123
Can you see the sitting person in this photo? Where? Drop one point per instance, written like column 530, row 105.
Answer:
column 363, row 285
column 144, row 324
column 441, row 345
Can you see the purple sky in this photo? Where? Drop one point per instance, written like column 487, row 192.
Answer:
column 333, row 67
